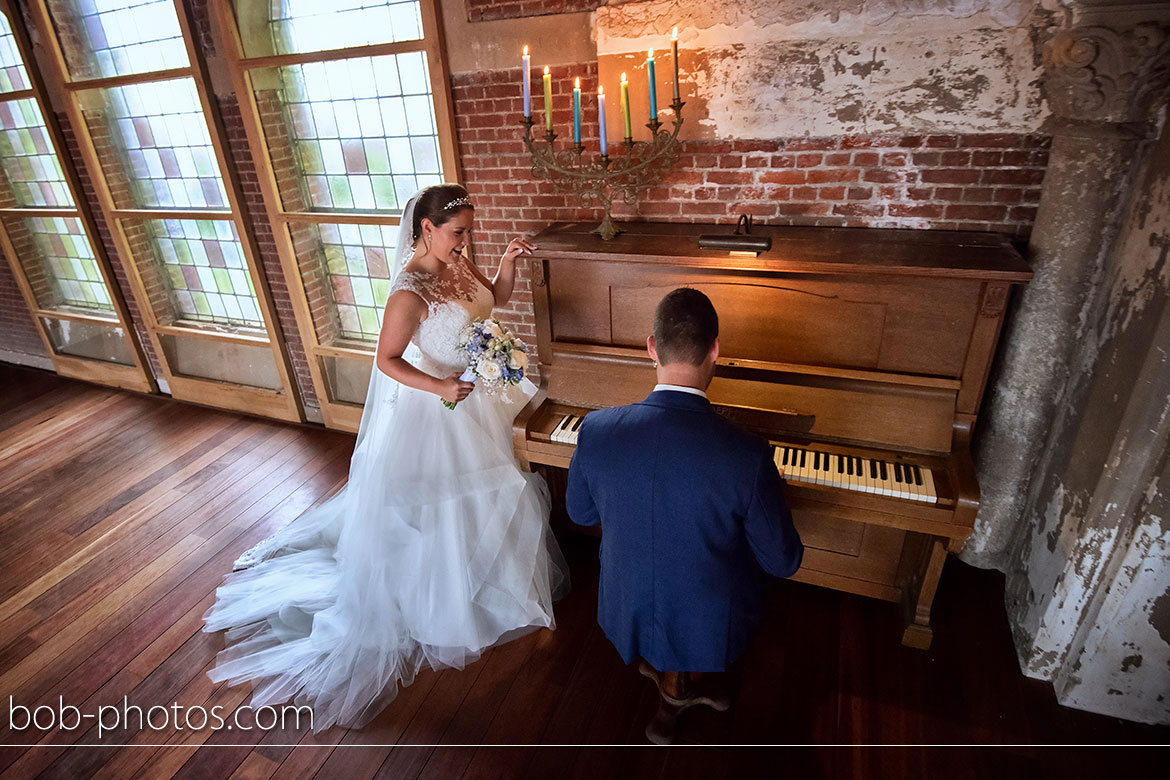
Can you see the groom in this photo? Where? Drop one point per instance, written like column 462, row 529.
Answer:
column 693, row 515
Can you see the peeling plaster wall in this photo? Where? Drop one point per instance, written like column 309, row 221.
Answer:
column 1089, row 586
column 763, row 69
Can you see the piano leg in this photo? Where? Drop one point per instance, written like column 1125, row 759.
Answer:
column 919, row 596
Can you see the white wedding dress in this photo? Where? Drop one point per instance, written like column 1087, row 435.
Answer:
column 437, row 547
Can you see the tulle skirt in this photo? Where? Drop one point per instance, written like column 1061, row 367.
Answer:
column 437, row 548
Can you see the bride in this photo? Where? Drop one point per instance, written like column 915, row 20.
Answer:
column 438, row 546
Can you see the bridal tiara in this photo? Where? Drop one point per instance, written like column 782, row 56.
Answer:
column 464, row 201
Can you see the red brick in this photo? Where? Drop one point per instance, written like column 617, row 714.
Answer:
column 860, row 193
column 924, row 210
column 808, row 160
column 783, row 177
column 859, row 209
column 951, row 176
column 831, row 193
column 978, row 195
column 993, row 140
column 868, row 141
column 987, row 213
column 866, row 159
column 1015, row 176
column 882, row 175
column 940, row 141
column 832, row 175
column 731, row 161
column 802, row 209
column 729, row 177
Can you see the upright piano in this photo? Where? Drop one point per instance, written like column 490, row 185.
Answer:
column 862, row 354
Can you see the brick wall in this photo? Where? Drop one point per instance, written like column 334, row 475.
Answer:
column 17, row 331
column 262, row 230
column 943, row 182
column 486, row 10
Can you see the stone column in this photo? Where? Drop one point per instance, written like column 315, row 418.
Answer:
column 1075, row 456
column 1102, row 86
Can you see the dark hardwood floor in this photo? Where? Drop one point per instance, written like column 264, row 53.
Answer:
column 120, row 513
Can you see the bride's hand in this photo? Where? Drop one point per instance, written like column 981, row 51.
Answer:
column 455, row 389
column 516, row 247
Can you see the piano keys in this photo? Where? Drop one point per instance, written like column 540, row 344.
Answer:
column 815, row 467
column 861, row 354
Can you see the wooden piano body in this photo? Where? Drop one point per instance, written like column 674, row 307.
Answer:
column 865, row 342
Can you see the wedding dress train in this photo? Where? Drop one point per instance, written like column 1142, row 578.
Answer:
column 437, row 547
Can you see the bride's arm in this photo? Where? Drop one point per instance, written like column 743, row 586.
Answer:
column 404, row 312
column 505, row 279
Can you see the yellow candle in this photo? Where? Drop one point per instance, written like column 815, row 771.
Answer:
column 625, row 102
column 547, row 99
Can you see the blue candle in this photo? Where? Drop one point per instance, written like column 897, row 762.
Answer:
column 601, row 115
column 577, row 110
column 526, row 77
column 653, row 91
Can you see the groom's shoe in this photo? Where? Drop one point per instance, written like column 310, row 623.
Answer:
column 697, row 692
column 660, row 729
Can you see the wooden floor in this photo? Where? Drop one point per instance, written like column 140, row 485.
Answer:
column 120, row 513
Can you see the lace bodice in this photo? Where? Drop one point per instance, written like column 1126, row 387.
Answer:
column 452, row 303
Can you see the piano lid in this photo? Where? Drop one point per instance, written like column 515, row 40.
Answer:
column 898, row 252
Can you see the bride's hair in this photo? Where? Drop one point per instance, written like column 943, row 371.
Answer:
column 438, row 203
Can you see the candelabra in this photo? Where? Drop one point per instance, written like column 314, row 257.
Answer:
column 641, row 163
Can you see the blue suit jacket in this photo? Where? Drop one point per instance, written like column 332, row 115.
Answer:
column 693, row 514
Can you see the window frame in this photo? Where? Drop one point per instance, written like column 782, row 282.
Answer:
column 137, row 376
column 336, row 413
column 283, row 403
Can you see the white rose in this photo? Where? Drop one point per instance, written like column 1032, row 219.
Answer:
column 518, row 359
column 488, row 369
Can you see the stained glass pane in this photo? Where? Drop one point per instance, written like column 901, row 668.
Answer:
column 152, row 139
column 296, row 26
column 363, row 131
column 205, row 271
column 103, row 38
column 28, row 159
column 357, row 260
column 64, row 273
column 12, row 73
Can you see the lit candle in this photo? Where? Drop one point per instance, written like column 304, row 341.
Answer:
column 653, row 91
column 601, row 115
column 625, row 103
column 547, row 99
column 674, row 51
column 526, row 77
column 577, row 110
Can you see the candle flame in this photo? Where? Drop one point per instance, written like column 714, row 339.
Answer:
column 526, row 48
column 650, row 54
column 601, row 91
column 577, row 83
column 623, row 77
column 546, row 70
column 673, row 36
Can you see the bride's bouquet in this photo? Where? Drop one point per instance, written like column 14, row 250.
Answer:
column 494, row 355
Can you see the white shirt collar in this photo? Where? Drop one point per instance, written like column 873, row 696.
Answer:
column 681, row 389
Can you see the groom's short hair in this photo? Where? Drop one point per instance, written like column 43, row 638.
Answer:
column 685, row 327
